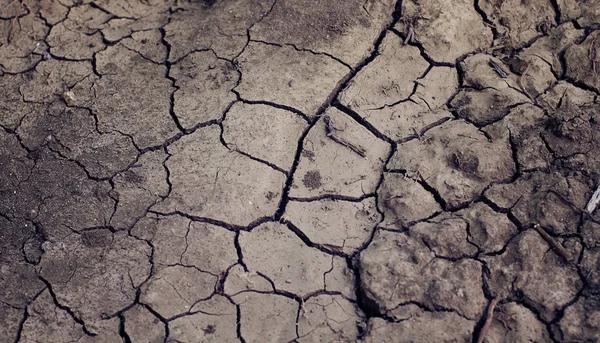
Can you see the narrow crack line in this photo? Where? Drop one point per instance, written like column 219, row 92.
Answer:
column 317, row 53
column 21, row 325
column 486, row 21
column 309, row 243
column 363, row 122
column 65, row 308
column 267, row 163
column 239, row 251
column 168, row 65
column 122, row 332
column 222, row 224
column 272, row 104
column 335, row 197
column 422, row 51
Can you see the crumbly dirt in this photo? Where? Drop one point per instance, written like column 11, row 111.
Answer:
column 183, row 171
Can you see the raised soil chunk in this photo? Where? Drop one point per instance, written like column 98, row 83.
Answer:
column 404, row 201
column 529, row 266
column 585, row 12
column 456, row 160
column 398, row 268
column 518, row 22
column 583, row 63
column 548, row 199
column 447, row 29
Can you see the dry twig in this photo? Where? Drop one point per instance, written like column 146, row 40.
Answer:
column 488, row 320
column 558, row 248
column 498, row 69
column 332, row 133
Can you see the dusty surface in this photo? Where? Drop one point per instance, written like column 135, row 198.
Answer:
column 306, row 171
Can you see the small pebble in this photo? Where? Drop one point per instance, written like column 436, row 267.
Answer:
column 47, row 57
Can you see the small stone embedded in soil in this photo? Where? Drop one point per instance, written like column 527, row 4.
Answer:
column 329, row 318
column 404, row 201
column 265, row 132
column 338, row 225
column 344, row 29
column 530, row 267
column 548, row 199
column 267, row 317
column 313, row 76
column 389, row 78
column 446, row 29
column 142, row 326
column 212, row 320
column 516, row 323
column 204, row 85
column 518, row 22
column 90, row 289
column 341, row 170
column 232, row 188
column 457, row 160
column 397, row 268
column 266, row 250
column 421, row 326
column 175, row 289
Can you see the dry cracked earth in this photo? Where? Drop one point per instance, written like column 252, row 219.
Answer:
column 299, row 170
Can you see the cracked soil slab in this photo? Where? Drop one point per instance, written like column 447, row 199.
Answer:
column 299, row 171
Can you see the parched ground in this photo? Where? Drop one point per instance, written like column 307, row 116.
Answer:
column 299, row 170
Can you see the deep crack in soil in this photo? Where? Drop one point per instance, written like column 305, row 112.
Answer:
column 299, row 171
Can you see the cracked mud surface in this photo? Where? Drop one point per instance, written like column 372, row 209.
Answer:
column 299, row 171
